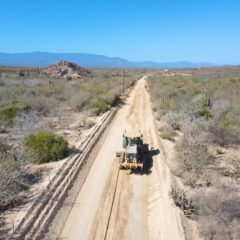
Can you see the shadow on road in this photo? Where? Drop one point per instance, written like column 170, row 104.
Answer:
column 73, row 150
column 147, row 158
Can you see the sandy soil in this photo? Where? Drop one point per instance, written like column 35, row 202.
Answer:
column 115, row 204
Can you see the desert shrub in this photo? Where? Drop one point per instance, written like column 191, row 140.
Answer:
column 45, row 147
column 40, row 103
column 79, row 100
column 111, row 99
column 182, row 91
column 205, row 112
column 27, row 121
column 225, row 126
column 14, row 177
column 100, row 104
column 231, row 117
column 193, row 157
column 206, row 101
column 174, row 119
column 31, row 83
column 167, row 132
column 232, row 171
column 14, row 101
column 182, row 201
column 22, row 73
column 222, row 135
column 219, row 213
column 8, row 114
column 12, row 181
column 2, row 224
column 204, row 107
column 89, row 123
column 197, row 91
column 221, row 107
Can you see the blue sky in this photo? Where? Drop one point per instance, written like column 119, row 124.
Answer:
column 163, row 30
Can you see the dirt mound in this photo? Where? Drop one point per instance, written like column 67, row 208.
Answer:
column 66, row 70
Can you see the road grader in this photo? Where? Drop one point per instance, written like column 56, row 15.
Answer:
column 132, row 156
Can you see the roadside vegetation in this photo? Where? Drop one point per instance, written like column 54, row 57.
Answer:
column 33, row 106
column 199, row 110
column 45, row 147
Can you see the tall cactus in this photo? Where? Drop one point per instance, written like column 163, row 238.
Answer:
column 207, row 100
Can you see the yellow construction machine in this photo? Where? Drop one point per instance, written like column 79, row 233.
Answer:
column 132, row 156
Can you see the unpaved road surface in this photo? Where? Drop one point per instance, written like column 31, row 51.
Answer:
column 115, row 204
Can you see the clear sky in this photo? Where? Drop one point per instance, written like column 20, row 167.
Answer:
column 158, row 30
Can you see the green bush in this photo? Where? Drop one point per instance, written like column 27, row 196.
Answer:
column 205, row 112
column 15, row 102
column 197, row 91
column 8, row 114
column 45, row 147
column 101, row 105
column 182, row 91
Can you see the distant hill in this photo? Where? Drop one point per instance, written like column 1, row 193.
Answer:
column 43, row 59
column 65, row 69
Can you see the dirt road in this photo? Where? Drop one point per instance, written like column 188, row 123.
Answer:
column 115, row 204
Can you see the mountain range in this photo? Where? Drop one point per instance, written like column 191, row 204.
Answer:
column 43, row 59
